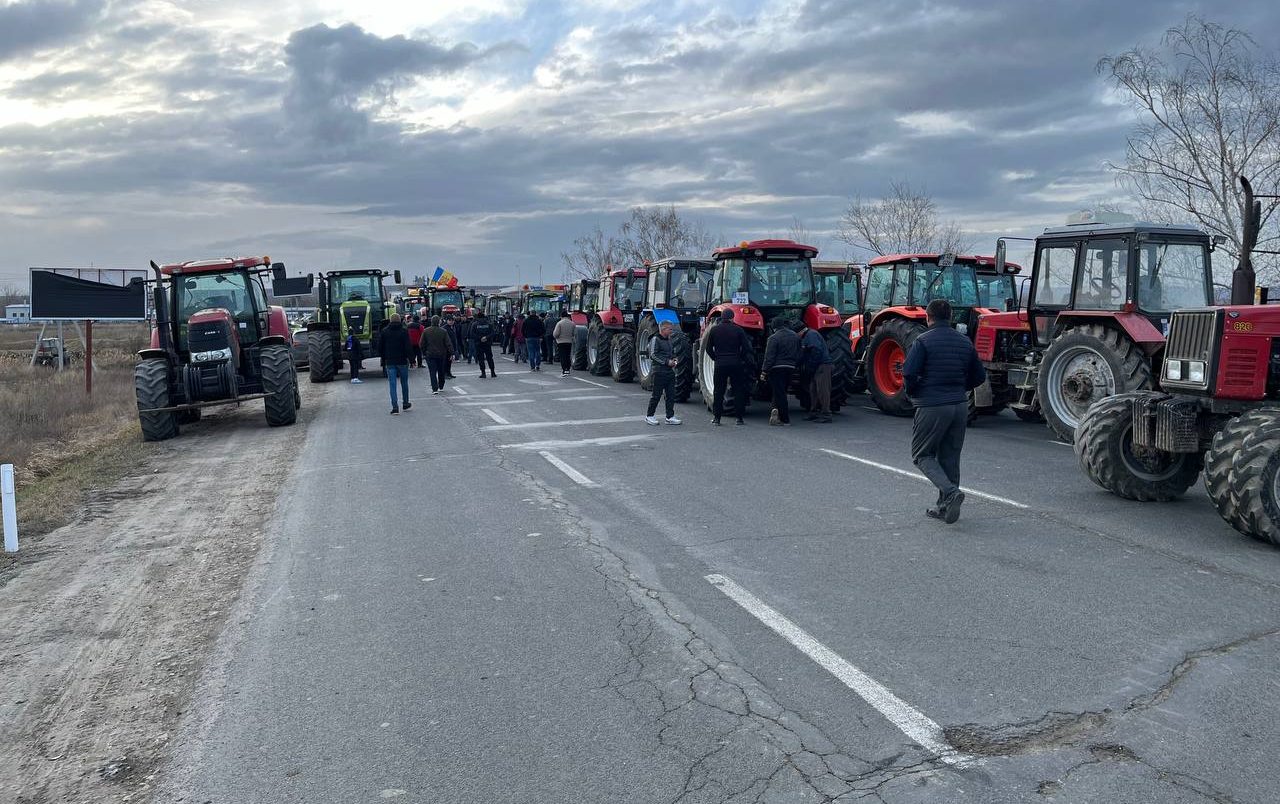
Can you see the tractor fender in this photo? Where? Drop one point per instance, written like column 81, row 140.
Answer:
column 320, row 326
column 578, row 319
column 277, row 321
column 1135, row 327
column 152, row 353
column 273, row 340
column 822, row 317
column 989, row 324
column 744, row 315
column 661, row 314
column 611, row 318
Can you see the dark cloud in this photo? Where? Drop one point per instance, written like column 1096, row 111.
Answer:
column 57, row 86
column 37, row 24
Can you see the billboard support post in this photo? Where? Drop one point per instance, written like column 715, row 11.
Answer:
column 88, row 358
column 62, row 354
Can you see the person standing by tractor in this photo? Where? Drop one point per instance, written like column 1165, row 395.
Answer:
column 664, row 375
column 437, row 347
column 415, row 340
column 355, row 353
column 940, row 370
column 534, row 331
column 730, row 348
column 818, row 364
column 517, row 337
column 451, row 327
column 464, row 337
column 396, row 349
column 482, row 335
column 781, row 356
column 563, row 334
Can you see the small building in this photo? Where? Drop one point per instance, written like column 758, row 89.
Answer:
column 17, row 313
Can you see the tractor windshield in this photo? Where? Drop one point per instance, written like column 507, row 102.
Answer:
column 686, row 295
column 629, row 298
column 996, row 290
column 443, row 297
column 782, row 281
column 1173, row 276
column 367, row 287
column 230, row 292
column 539, row 304
column 499, row 305
column 957, row 284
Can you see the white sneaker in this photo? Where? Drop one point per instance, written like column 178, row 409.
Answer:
column 357, row 381
column 435, row 393
column 673, row 420
column 651, row 419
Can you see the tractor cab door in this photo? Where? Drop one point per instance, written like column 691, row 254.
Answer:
column 879, row 294
column 1052, row 280
column 259, row 325
column 656, row 292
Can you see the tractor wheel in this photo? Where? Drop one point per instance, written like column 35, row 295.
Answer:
column 1082, row 366
column 706, row 368
column 885, row 355
column 278, row 380
column 1029, row 415
column 1255, row 477
column 1217, row 469
column 622, row 357
column 322, row 356
column 843, row 370
column 1104, row 445
column 598, row 350
column 151, row 387
column 644, row 355
column 684, row 368
column 579, row 357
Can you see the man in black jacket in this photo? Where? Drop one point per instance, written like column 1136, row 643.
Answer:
column 664, row 376
column 482, row 335
column 940, row 370
column 534, row 331
column 395, row 350
column 781, row 356
column 730, row 348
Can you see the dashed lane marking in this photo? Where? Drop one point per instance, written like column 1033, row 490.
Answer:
column 538, row 382
column 570, row 472
column 578, row 398
column 494, row 416
column 915, row 724
column 493, row 402
column 458, row 390
column 563, row 423
column 580, row 442
column 591, row 382
column 915, row 476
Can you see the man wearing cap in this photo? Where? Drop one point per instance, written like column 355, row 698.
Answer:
column 730, row 348
column 940, row 370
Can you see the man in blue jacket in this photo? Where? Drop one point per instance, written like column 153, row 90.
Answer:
column 940, row 370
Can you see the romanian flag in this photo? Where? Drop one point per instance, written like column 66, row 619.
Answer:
column 446, row 279
column 436, row 276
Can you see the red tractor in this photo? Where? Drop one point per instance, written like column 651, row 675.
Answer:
column 899, row 287
column 1095, row 318
column 762, row 281
column 611, row 333
column 1219, row 408
column 584, row 298
column 215, row 341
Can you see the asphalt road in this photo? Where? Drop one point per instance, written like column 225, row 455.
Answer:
column 520, row 592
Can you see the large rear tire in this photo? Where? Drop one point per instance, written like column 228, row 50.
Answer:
column 1218, row 461
column 1255, row 477
column 598, row 350
column 1104, row 445
column 1083, row 365
column 322, row 355
column 885, row 355
column 278, row 380
column 151, row 387
column 843, row 367
column 644, row 353
column 684, row 368
column 706, row 374
column 578, row 358
column 622, row 357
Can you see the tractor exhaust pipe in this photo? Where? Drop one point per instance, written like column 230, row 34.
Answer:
column 162, row 312
column 1244, row 281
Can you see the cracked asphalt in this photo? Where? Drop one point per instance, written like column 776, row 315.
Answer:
column 444, row 615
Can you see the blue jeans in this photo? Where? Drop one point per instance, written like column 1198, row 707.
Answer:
column 534, row 345
column 403, row 373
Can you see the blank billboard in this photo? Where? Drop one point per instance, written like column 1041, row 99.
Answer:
column 81, row 294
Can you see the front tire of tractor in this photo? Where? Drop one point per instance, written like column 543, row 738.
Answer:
column 843, row 369
column 598, row 350
column 885, row 355
column 1217, row 470
column 706, row 369
column 579, row 356
column 644, row 356
column 622, row 357
column 1255, row 477
column 322, row 356
column 1104, row 445
column 682, row 347
column 278, row 380
column 151, row 387
column 1083, row 365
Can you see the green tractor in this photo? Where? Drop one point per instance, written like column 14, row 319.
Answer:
column 351, row 303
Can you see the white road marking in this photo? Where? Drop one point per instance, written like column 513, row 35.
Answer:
column 458, row 390
column 915, row 476
column 915, row 724
column 581, row 442
column 576, row 398
column 494, row 416
column 1060, row 443
column 493, row 402
column 570, row 472
column 590, row 382
column 562, row 423
column 493, row 396
column 537, row 382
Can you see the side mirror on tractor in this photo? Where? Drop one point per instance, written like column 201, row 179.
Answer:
column 396, row 276
column 277, row 271
column 1001, row 251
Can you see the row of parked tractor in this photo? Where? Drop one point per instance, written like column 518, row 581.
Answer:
column 1112, row 339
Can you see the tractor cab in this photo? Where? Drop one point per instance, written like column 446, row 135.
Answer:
column 677, row 292
column 839, row 284
column 352, row 304
column 541, row 301
column 611, row 329
column 446, row 302
column 498, row 304
column 220, row 308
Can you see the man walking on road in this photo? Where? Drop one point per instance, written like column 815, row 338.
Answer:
column 517, row 337
column 730, row 348
column 482, row 335
column 396, row 349
column 534, row 331
column 781, row 355
column 436, row 346
column 563, row 334
column 664, row 375
column 415, row 340
column 818, row 364
column 940, row 370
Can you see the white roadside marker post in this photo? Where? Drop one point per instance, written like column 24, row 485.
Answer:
column 8, row 501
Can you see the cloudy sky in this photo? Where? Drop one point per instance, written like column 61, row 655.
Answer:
column 483, row 135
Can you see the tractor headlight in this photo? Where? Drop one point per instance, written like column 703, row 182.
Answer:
column 211, row 356
column 1173, row 370
column 1195, row 371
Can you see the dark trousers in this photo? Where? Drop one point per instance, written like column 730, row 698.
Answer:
column 664, row 385
column 356, row 354
column 820, row 390
column 436, row 368
column 484, row 355
column 937, row 436
column 779, row 382
column 416, row 359
column 564, row 352
column 735, row 375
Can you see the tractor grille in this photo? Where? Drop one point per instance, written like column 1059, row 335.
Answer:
column 1170, row 424
column 1194, row 337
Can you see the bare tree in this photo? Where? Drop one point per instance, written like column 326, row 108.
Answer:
column 798, row 232
column 652, row 233
column 590, row 254
column 904, row 222
column 1209, row 111
column 10, row 294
